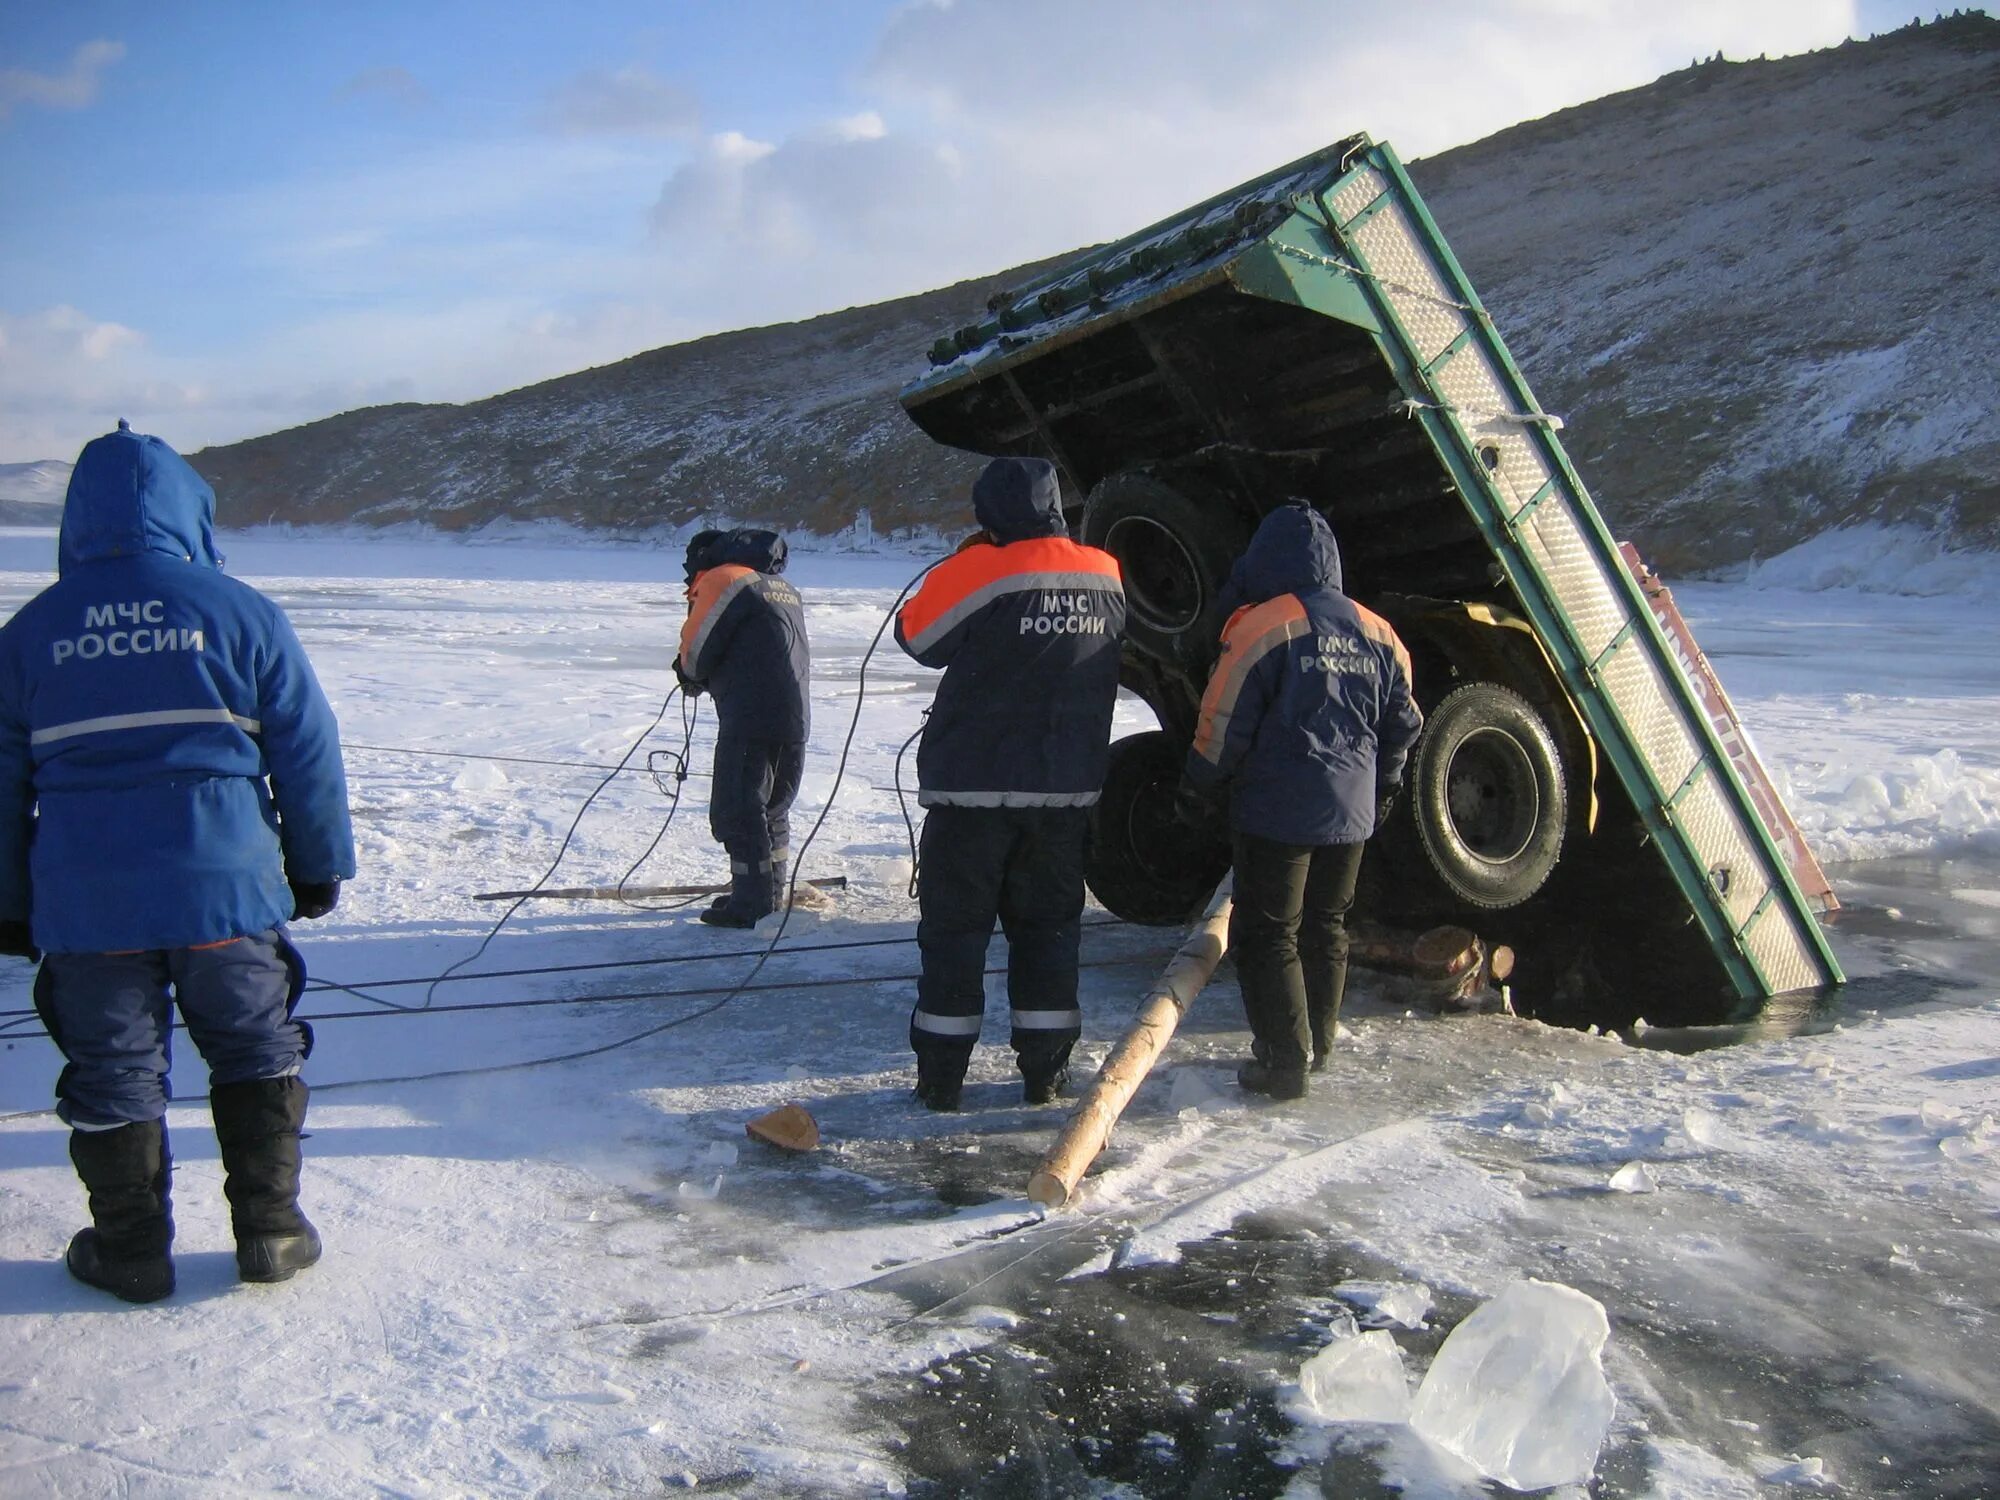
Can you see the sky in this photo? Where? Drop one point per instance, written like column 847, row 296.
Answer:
column 221, row 218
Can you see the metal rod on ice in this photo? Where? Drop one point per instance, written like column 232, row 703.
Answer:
column 614, row 893
column 1090, row 1123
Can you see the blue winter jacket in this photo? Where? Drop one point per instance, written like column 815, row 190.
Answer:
column 1025, row 623
column 166, row 755
column 1308, row 707
column 744, row 639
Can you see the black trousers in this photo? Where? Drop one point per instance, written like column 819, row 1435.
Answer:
column 1023, row 866
column 1288, row 935
column 750, row 800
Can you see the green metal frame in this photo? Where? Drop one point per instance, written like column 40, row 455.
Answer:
column 1455, row 447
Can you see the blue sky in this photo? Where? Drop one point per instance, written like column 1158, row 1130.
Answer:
column 221, row 219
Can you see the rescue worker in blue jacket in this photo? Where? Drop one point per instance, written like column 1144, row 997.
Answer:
column 1026, row 624
column 1307, row 720
column 173, row 794
column 744, row 643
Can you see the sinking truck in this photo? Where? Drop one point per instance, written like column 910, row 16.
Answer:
column 1582, row 792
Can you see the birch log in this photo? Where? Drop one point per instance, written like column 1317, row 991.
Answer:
column 1160, row 1012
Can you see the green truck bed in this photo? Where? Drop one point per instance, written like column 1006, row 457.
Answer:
column 1311, row 333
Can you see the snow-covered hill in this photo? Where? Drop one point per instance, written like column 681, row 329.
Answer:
column 32, row 494
column 1765, row 295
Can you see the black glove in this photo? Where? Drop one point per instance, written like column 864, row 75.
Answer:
column 1194, row 809
column 17, row 941
column 313, row 898
column 1386, row 793
column 689, row 686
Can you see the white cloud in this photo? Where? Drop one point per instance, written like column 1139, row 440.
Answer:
column 631, row 101
column 66, row 376
column 982, row 134
column 73, row 88
column 1004, row 131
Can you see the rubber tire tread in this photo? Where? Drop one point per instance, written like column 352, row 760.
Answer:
column 1132, row 883
column 1489, row 884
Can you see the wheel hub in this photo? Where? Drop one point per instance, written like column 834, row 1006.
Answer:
column 1492, row 796
column 1163, row 583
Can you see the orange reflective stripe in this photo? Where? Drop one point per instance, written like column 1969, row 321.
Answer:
column 191, row 947
column 1378, row 629
column 1251, row 635
column 706, row 602
column 977, row 575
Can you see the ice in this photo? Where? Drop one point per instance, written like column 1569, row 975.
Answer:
column 1804, row 1471
column 480, row 776
column 1703, row 1127
column 676, row 1298
column 1358, row 1380
column 1518, row 1389
column 1632, row 1178
column 1192, row 1088
column 1937, row 1116
column 1402, row 1303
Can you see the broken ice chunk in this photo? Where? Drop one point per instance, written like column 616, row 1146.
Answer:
column 1806, row 1471
column 1703, row 1127
column 1402, row 1303
column 1518, row 1389
column 1937, row 1115
column 1632, row 1178
column 1358, row 1380
column 985, row 1316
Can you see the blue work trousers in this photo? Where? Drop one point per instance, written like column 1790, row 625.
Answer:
column 750, row 800
column 111, row 1015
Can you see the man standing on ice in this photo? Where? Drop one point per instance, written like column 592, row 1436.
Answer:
column 745, row 643
column 173, row 792
column 1026, row 624
column 1307, row 718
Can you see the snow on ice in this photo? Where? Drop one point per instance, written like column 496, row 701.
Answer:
column 581, row 1277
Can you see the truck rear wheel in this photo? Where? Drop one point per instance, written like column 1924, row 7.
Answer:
column 1143, row 864
column 1488, row 796
column 1175, row 554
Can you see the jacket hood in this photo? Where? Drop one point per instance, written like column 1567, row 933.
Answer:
column 1293, row 552
column 131, row 494
column 763, row 550
column 701, row 553
column 1018, row 498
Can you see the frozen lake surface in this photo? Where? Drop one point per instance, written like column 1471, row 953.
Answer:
column 580, row 1277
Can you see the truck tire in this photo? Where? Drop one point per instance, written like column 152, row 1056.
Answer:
column 1143, row 864
column 1175, row 553
column 1488, row 796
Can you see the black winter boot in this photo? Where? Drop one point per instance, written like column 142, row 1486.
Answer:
column 127, row 1173
column 1273, row 1079
column 748, row 901
column 1044, row 1079
column 257, row 1125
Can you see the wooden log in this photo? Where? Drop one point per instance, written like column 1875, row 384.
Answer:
column 637, row 892
column 1453, row 967
column 1160, row 1012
